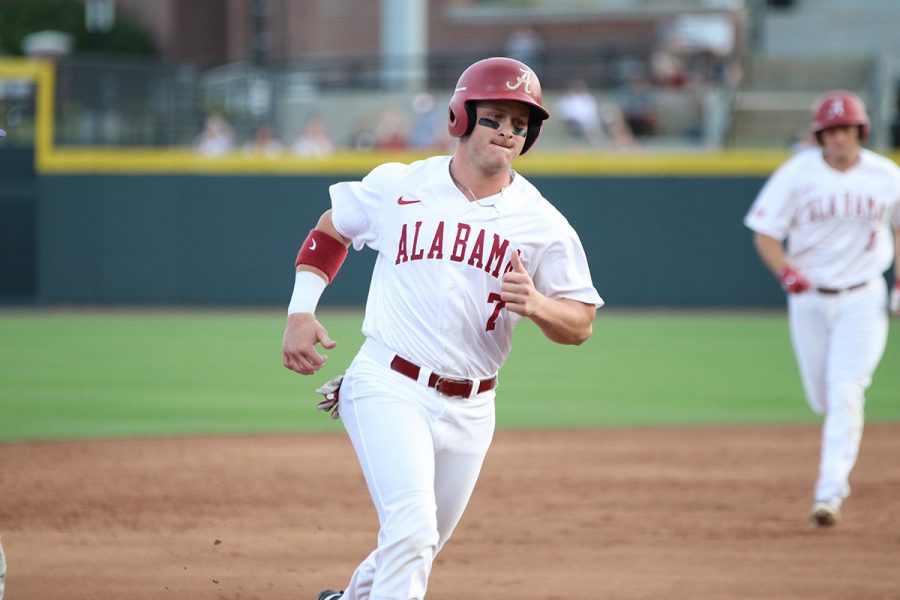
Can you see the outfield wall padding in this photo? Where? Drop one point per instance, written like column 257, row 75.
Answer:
column 232, row 240
column 17, row 225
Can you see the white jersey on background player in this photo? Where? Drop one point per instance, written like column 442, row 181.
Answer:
column 466, row 248
column 836, row 206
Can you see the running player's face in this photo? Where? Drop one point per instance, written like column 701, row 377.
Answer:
column 841, row 144
column 500, row 129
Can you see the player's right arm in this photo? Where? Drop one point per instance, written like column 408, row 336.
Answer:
column 770, row 219
column 771, row 251
column 318, row 261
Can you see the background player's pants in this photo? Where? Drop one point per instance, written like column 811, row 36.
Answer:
column 421, row 454
column 839, row 340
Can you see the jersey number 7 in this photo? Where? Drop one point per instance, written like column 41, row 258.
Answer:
column 492, row 321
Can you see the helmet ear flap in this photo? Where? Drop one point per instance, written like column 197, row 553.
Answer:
column 534, row 128
column 457, row 117
column 471, row 116
column 461, row 119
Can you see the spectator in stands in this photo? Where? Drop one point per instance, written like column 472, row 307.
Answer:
column 265, row 142
column 362, row 137
column 429, row 126
column 217, row 137
column 667, row 68
column 392, row 131
column 314, row 139
column 639, row 102
column 580, row 113
column 589, row 122
column 615, row 128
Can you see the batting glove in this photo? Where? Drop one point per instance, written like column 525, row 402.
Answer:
column 895, row 298
column 331, row 391
column 792, row 281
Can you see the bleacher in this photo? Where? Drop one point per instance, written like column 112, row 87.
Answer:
column 785, row 59
column 805, row 47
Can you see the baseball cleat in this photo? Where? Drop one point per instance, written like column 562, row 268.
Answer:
column 825, row 513
column 329, row 595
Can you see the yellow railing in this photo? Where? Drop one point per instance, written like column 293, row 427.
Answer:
column 41, row 73
column 51, row 159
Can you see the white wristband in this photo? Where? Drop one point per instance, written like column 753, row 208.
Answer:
column 308, row 288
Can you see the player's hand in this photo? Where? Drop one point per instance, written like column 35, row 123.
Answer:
column 298, row 347
column 517, row 289
column 895, row 298
column 793, row 281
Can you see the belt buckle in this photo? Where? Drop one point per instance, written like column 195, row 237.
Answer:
column 450, row 380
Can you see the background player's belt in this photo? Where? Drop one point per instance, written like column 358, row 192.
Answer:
column 456, row 388
column 825, row 290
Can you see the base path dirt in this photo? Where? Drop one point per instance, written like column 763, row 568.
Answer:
column 692, row 513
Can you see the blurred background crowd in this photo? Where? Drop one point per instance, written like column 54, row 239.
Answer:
column 313, row 77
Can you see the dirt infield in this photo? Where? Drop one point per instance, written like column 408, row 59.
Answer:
column 693, row 513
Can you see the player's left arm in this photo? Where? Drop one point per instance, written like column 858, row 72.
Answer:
column 563, row 321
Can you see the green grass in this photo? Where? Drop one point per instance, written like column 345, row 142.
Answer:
column 67, row 375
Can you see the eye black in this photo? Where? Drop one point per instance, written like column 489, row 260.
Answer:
column 489, row 123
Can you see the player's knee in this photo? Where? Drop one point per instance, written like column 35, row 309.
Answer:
column 418, row 541
column 847, row 394
column 410, row 515
column 414, row 536
column 846, row 401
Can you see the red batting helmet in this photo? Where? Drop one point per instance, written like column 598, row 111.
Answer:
column 840, row 107
column 496, row 79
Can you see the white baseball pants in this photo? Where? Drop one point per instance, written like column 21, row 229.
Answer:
column 839, row 340
column 421, row 454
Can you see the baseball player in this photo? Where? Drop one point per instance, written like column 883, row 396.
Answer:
column 836, row 205
column 466, row 248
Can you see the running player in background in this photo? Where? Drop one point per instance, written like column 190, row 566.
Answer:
column 836, row 205
column 466, row 248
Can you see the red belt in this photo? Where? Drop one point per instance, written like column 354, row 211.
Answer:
column 832, row 291
column 455, row 388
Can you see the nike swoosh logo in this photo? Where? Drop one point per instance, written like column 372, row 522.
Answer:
column 403, row 202
column 312, row 246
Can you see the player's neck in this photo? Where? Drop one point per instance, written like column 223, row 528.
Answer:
column 841, row 161
column 476, row 183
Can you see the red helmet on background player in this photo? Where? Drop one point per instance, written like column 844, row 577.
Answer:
column 496, row 79
column 840, row 107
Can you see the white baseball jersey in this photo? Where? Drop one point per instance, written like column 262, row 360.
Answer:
column 435, row 291
column 837, row 224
